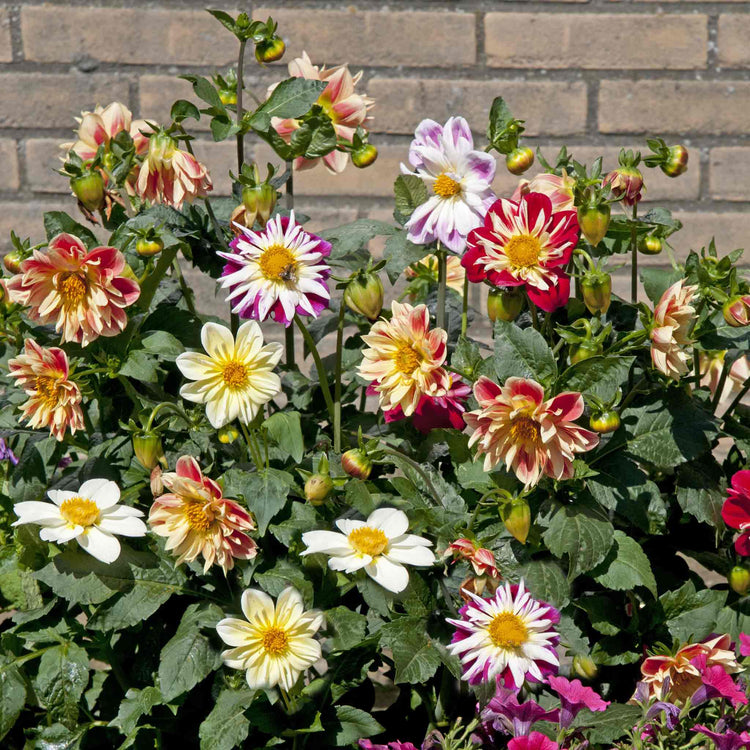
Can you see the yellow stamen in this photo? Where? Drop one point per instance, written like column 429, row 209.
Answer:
column 523, row 250
column 446, row 187
column 234, row 374
column 525, row 430
column 407, row 359
column 368, row 541
column 196, row 516
column 46, row 387
column 278, row 264
column 72, row 289
column 275, row 641
column 507, row 631
column 79, row 511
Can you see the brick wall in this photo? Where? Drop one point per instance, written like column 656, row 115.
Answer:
column 594, row 74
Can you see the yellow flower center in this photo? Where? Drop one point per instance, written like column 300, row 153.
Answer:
column 407, row 359
column 46, row 387
column 79, row 511
column 278, row 264
column 368, row 541
column 72, row 289
column 525, row 430
column 274, row 640
column 507, row 631
column 196, row 516
column 446, row 187
column 523, row 250
column 234, row 374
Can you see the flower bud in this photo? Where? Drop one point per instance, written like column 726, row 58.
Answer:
column 585, row 667
column 364, row 295
column 584, row 350
column 505, row 304
column 89, row 189
column 604, row 421
column 317, row 488
column 365, row 156
column 739, row 580
column 596, row 287
column 517, row 518
column 270, row 50
column 12, row 261
column 356, row 463
column 519, row 160
column 677, row 161
column 737, row 311
column 594, row 221
column 148, row 449
column 626, row 182
column 259, row 202
column 228, row 434
column 148, row 247
column 650, row 245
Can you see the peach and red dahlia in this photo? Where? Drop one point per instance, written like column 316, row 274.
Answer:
column 81, row 292
column 196, row 520
column 736, row 510
column 54, row 400
column 532, row 437
column 339, row 100
column 670, row 338
column 524, row 243
column 404, row 359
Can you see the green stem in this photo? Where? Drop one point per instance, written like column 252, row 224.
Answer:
column 187, row 292
column 218, row 231
column 289, row 345
column 726, row 366
column 151, row 284
column 442, row 286
column 310, row 343
column 630, row 337
column 337, row 382
column 160, row 407
column 252, row 447
column 240, row 111
column 465, row 308
column 533, row 313
column 26, row 657
column 634, row 256
column 422, row 473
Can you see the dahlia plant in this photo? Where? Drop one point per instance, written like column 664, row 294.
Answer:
column 347, row 507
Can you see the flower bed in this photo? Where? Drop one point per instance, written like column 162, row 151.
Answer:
column 394, row 530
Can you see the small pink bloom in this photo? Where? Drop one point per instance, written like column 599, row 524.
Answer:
column 559, row 189
column 481, row 559
column 531, row 436
column 744, row 644
column 54, row 400
column 717, row 683
column 575, row 696
column 524, row 244
column 534, row 741
column 673, row 318
column 82, row 292
column 736, row 510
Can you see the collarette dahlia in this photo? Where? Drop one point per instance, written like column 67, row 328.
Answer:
column 82, row 292
column 531, row 436
column 404, row 359
column 379, row 545
column 670, row 337
column 275, row 644
column 459, row 178
column 235, row 377
column 197, row 520
column 54, row 399
column 90, row 515
column 509, row 636
column 278, row 272
column 524, row 243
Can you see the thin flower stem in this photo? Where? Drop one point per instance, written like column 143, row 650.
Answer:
column 465, row 308
column 337, row 382
column 289, row 344
column 253, row 448
column 533, row 313
column 634, row 256
column 240, row 111
column 442, row 281
column 318, row 366
column 448, row 598
column 160, row 407
column 187, row 292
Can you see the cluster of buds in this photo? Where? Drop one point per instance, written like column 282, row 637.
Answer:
column 672, row 160
column 626, row 182
column 269, row 46
column 486, row 572
column 258, row 198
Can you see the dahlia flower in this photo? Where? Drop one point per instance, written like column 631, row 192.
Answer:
column 454, row 271
column 275, row 643
column 278, row 272
column 54, row 399
column 196, row 520
column 404, row 359
column 169, row 175
column 559, row 189
column 678, row 677
column 379, row 545
column 509, row 636
column 575, row 696
column 673, row 317
column 533, row 437
column 524, row 243
column 728, row 740
column 82, row 292
column 712, row 364
column 736, row 510
column 460, row 178
column 235, row 377
column 533, row 741
column 90, row 515
column 339, row 100
column 481, row 559
column 99, row 127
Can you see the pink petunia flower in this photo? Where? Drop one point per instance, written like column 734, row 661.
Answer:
column 727, row 740
column 531, row 436
column 673, row 318
column 744, row 644
column 525, row 243
column 736, row 510
column 508, row 715
column 575, row 696
column 534, row 741
column 717, row 683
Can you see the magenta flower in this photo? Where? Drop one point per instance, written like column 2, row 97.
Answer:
column 729, row 740
column 459, row 178
column 368, row 745
column 575, row 696
column 535, row 741
column 510, row 716
column 744, row 644
column 717, row 683
column 736, row 510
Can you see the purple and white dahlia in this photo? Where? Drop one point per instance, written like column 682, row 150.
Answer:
column 459, row 179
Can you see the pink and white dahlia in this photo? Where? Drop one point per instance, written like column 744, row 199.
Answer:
column 532, row 437
column 524, row 243
column 82, row 292
column 404, row 359
column 459, row 177
column 509, row 636
column 558, row 188
column 54, row 399
column 278, row 272
column 670, row 338
column 339, row 100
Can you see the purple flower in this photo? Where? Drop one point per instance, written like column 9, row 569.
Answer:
column 508, row 715
column 671, row 713
column 575, row 696
column 6, row 454
column 367, row 745
column 729, row 740
column 459, row 178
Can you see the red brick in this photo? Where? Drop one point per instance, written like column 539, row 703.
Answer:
column 42, row 159
column 731, row 230
column 8, row 165
column 730, row 173
column 25, row 219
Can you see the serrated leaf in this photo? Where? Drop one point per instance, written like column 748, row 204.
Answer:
column 226, row 726
column 522, row 353
column 698, row 492
column 12, row 694
column 409, row 192
column 58, row 222
column 164, row 344
column 625, row 567
column 355, row 724
column 60, row 682
column 285, row 429
column 691, row 615
column 656, row 281
column 608, row 726
column 265, row 494
column 400, row 253
column 135, row 704
column 349, row 628
column 290, row 99
column 545, row 580
column 597, row 376
column 414, row 655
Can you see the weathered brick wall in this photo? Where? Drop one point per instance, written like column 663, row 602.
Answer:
column 594, row 74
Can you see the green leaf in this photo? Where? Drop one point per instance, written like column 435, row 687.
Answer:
column 58, row 222
column 227, row 726
column 466, row 356
column 189, row 656
column 597, row 376
column 716, row 333
column 285, row 429
column 625, row 567
column 409, row 192
column 349, row 628
column 545, row 580
column 164, row 344
column 265, row 494
column 698, row 492
column 400, row 253
column 182, row 109
column 140, row 366
column 522, row 353
column 602, row 613
column 608, row 726
column 12, row 694
column 290, row 99
column 286, row 573
column 356, row 724
column 224, row 19
column 691, row 615
column 414, row 655
column 60, row 682
column 500, row 118
column 135, row 704
column 656, row 281
column 205, row 90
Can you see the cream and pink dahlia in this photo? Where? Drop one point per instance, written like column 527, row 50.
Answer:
column 558, row 188
column 198, row 521
column 81, row 292
column 712, row 366
column 403, row 359
column 339, row 100
column 54, row 400
column 532, row 437
column 673, row 318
